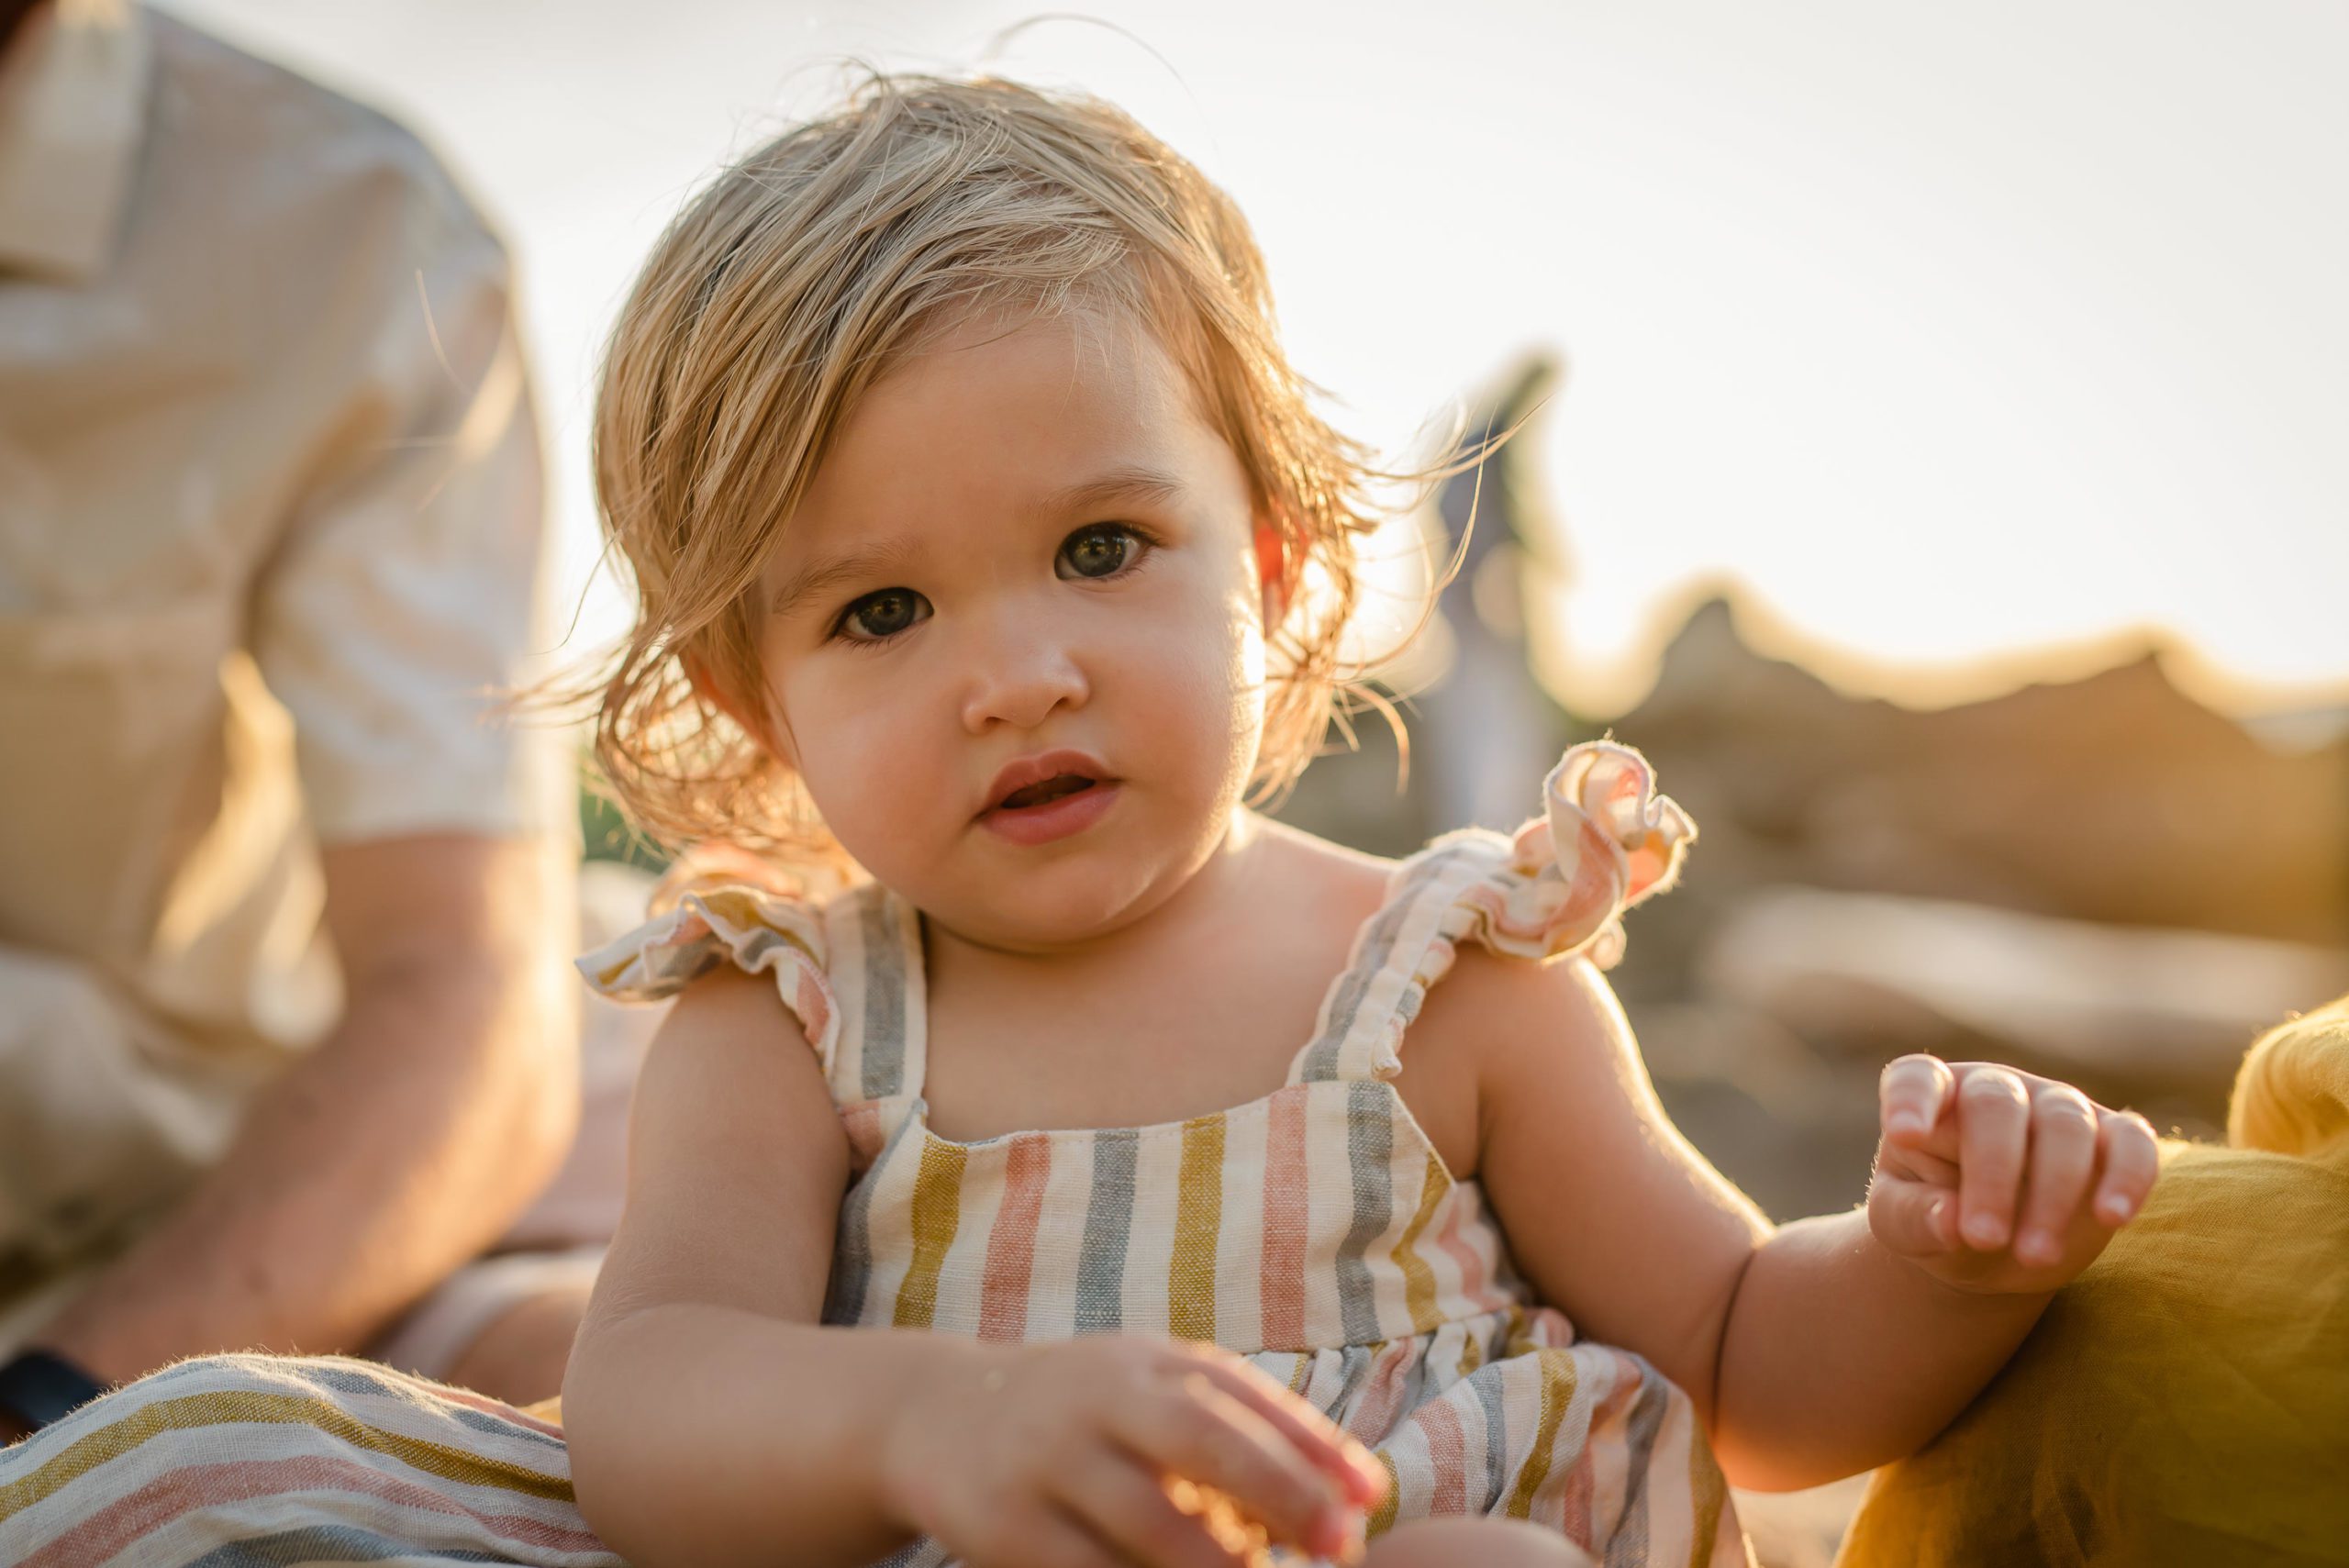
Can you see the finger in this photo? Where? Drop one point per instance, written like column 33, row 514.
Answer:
column 1994, row 1120
column 1329, row 1446
column 1205, row 1434
column 1130, row 1507
column 1915, row 1219
column 2062, row 1162
column 1912, row 1096
column 2133, row 1159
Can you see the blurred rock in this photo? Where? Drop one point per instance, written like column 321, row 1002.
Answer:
column 2116, row 798
column 2092, row 1000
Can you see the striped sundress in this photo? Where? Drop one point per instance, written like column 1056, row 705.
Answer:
column 1314, row 1230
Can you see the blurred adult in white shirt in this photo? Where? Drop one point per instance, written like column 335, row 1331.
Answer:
column 285, row 1032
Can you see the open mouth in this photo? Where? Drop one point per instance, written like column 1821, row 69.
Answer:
column 1057, row 787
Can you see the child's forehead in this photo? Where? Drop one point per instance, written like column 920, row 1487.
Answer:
column 1012, row 419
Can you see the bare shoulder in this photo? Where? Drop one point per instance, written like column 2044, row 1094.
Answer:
column 732, row 1135
column 1502, row 1029
column 1513, row 1006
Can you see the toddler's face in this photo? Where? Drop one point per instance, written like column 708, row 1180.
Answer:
column 1027, row 560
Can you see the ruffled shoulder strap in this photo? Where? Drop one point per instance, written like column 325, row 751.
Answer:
column 1605, row 841
column 707, row 914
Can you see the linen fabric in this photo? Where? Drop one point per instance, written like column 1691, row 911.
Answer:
column 270, row 539
column 1314, row 1230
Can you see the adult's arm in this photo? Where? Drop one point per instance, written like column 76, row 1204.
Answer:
column 399, row 600
column 402, row 1145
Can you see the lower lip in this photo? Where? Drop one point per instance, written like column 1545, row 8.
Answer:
column 1057, row 819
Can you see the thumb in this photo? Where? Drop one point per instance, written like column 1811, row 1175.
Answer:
column 1913, row 1218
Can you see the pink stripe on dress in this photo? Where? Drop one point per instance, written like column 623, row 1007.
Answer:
column 1575, row 1495
column 1447, row 1456
column 1597, row 884
column 1011, row 1244
column 1381, row 1399
column 1456, row 1245
column 1580, row 1493
column 862, row 1124
column 184, row 1489
column 1282, row 1293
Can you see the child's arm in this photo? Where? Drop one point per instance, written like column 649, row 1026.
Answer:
column 713, row 1422
column 709, row 1420
column 1811, row 1351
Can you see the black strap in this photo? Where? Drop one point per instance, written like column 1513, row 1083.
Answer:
column 40, row 1386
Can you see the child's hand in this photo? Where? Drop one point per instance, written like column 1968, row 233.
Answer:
column 1122, row 1449
column 1994, row 1180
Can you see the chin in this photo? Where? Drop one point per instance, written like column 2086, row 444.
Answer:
column 1075, row 900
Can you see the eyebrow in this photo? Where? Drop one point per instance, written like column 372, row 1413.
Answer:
column 821, row 576
column 1145, row 485
column 1131, row 486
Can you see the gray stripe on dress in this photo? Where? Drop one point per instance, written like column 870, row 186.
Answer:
column 885, row 997
column 1629, row 1546
column 1487, row 1381
column 1321, row 1058
column 853, row 1244
column 352, row 1379
column 1109, row 1221
column 339, row 1543
column 1370, row 1144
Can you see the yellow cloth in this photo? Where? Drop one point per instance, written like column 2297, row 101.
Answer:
column 2185, row 1400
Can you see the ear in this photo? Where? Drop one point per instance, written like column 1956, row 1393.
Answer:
column 1271, row 573
column 706, row 686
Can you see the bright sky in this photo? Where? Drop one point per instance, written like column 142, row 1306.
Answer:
column 1950, row 330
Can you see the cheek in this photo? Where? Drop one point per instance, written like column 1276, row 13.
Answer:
column 866, row 762
column 1199, row 679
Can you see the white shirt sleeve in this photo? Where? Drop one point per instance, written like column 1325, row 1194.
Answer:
column 400, row 612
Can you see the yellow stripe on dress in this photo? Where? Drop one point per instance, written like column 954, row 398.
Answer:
column 242, row 1406
column 1708, row 1489
column 938, row 1195
column 1419, row 1280
column 1382, row 1518
column 1557, row 1393
column 1198, row 1217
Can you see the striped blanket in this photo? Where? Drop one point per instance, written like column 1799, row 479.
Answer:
column 198, row 1464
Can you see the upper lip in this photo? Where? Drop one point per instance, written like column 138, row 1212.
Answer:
column 1025, row 771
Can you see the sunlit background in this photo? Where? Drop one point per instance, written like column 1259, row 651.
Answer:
column 1940, row 472
column 1948, row 331
column 1939, row 478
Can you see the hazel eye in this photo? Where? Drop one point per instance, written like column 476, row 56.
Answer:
column 878, row 617
column 1099, row 549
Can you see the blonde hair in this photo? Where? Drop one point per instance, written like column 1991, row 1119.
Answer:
column 2292, row 1095
column 801, row 276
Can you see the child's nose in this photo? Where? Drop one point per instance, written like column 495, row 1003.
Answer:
column 1020, row 678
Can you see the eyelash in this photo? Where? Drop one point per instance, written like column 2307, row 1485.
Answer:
column 1143, row 543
